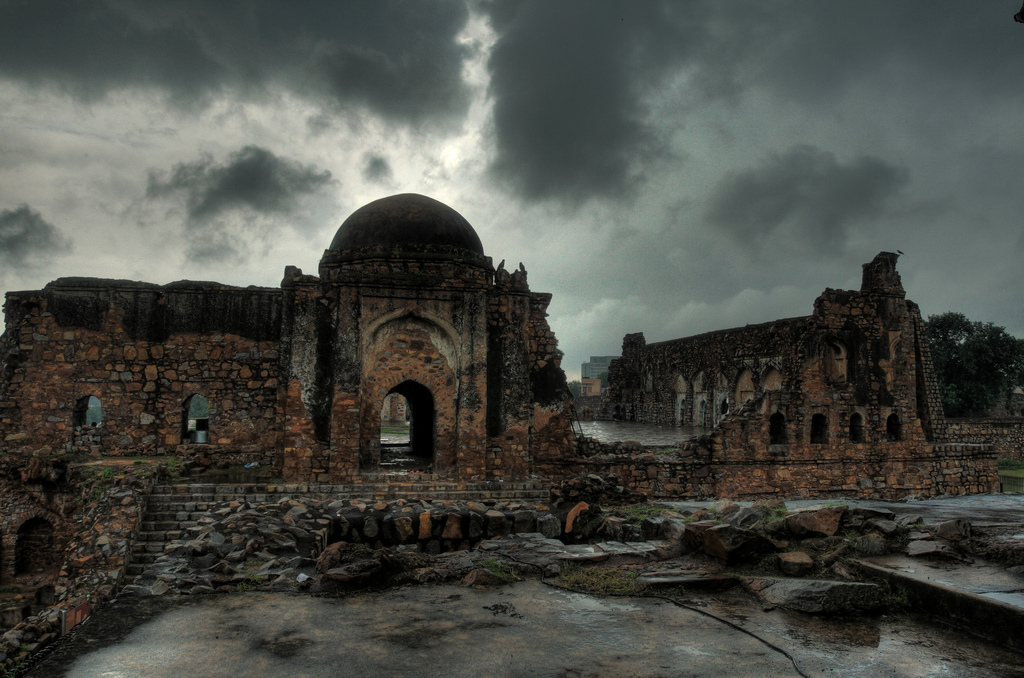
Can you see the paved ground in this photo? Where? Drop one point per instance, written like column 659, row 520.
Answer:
column 527, row 629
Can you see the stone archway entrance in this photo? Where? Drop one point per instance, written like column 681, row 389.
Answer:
column 418, row 453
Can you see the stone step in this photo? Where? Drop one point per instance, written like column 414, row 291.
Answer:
column 156, row 525
column 162, row 536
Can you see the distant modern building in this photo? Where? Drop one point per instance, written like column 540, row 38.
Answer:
column 597, row 366
column 590, row 387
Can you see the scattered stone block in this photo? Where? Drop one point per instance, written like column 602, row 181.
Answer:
column 734, row 544
column 817, row 596
column 795, row 563
column 821, row 523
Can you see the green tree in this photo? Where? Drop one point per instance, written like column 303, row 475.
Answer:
column 976, row 363
column 576, row 387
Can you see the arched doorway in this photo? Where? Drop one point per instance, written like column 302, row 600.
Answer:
column 34, row 551
column 195, row 420
column 417, row 454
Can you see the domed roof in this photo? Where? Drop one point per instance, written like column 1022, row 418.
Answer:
column 406, row 219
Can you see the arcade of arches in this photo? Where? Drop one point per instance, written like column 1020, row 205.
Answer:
column 849, row 384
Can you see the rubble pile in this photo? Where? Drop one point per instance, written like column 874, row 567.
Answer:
column 592, row 488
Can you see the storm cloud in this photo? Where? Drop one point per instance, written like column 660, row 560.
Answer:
column 26, row 239
column 806, row 192
column 376, row 168
column 398, row 60
column 253, row 178
column 221, row 199
column 659, row 166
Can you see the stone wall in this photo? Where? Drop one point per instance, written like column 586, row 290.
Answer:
column 142, row 373
column 690, row 470
column 1005, row 435
column 96, row 514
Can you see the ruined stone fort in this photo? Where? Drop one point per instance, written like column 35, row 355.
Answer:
column 109, row 387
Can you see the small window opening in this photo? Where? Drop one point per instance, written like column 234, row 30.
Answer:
column 88, row 412
column 777, row 429
column 893, row 429
column 724, row 409
column 195, row 420
column 857, row 428
column 819, row 429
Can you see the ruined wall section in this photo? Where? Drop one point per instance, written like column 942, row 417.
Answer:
column 645, row 381
column 1004, row 434
column 307, row 379
column 853, row 406
column 134, row 349
column 693, row 472
column 510, row 366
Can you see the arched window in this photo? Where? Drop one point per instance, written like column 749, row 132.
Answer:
column 681, row 409
column 777, row 429
column 819, row 429
column 772, row 380
column 88, row 412
column 702, row 417
column 833, row 361
column 856, row 428
column 724, row 407
column 34, row 552
column 893, row 429
column 195, row 420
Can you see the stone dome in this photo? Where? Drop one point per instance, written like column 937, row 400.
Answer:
column 406, row 219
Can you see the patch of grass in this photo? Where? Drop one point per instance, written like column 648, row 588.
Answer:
column 250, row 583
column 1006, row 464
column 502, row 571
column 600, row 581
column 249, row 566
column 10, row 588
column 635, row 513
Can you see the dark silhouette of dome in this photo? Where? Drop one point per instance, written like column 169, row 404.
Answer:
column 406, row 219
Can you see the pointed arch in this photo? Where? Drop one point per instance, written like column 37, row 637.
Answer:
column 834, row 361
column 857, row 432
column 777, row 434
column 744, row 387
column 195, row 420
column 893, row 428
column 819, row 429
column 771, row 380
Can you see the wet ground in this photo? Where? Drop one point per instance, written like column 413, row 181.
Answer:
column 979, row 509
column 645, row 434
column 525, row 629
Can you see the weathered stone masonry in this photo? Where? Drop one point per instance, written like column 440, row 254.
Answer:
column 843, row 401
column 295, row 377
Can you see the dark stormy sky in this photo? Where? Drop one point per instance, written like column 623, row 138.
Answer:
column 666, row 167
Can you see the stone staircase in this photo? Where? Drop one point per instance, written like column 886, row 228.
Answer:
column 172, row 509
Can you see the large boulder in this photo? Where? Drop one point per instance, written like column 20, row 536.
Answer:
column 817, row 596
column 821, row 523
column 735, row 545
